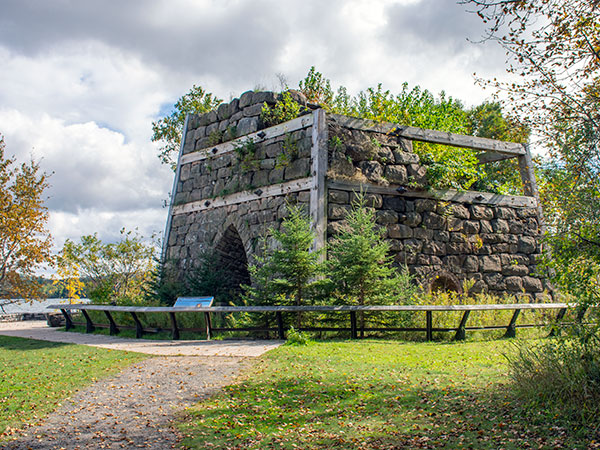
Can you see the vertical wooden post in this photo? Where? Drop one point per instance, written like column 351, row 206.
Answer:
column 280, row 330
column 461, row 332
column 429, row 325
column 174, row 328
column 163, row 257
column 68, row 320
column 139, row 329
column 559, row 318
column 89, row 325
column 581, row 310
column 208, row 325
column 353, row 333
column 113, row 326
column 318, row 190
column 530, row 188
column 511, row 329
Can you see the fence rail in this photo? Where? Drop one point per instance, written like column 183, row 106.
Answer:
column 460, row 330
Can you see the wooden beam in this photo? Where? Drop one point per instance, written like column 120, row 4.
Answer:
column 302, row 184
column 316, row 308
column 489, row 157
column 112, row 324
column 68, row 320
column 511, row 330
column 484, row 198
column 353, row 331
column 461, row 333
column 432, row 136
column 260, row 136
column 89, row 325
column 139, row 329
column 429, row 325
column 174, row 191
column 318, row 189
column 174, row 328
column 529, row 183
column 280, row 330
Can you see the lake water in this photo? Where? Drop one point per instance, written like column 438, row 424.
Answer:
column 36, row 306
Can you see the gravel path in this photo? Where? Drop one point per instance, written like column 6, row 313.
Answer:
column 136, row 408
column 237, row 348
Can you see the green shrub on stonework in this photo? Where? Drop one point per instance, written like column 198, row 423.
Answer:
column 284, row 110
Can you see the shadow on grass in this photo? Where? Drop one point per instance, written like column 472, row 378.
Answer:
column 347, row 413
column 24, row 344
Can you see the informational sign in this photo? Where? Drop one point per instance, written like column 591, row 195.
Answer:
column 194, row 301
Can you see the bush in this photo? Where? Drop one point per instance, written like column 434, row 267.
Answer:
column 561, row 375
column 295, row 337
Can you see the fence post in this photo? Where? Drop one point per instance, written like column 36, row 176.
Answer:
column 113, row 326
column 139, row 329
column 68, row 320
column 429, row 325
column 280, row 330
column 461, row 332
column 208, row 325
column 353, row 333
column 559, row 317
column 89, row 325
column 174, row 328
column 511, row 329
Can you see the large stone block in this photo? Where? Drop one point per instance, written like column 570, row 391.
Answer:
column 531, row 284
column 481, row 212
column 527, row 244
column 425, row 205
column 491, row 263
column 433, row 221
column 514, row 284
column 396, row 174
column 299, row 168
column 335, row 196
column 386, row 216
column 398, row 231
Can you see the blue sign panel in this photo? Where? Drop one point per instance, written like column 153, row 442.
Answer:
column 194, row 301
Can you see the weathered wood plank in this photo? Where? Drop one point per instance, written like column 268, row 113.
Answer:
column 112, row 324
column 432, row 136
column 68, row 321
column 318, row 189
column 488, row 157
column 89, row 325
column 174, row 190
column 529, row 183
column 302, row 184
column 320, row 308
column 268, row 133
column 174, row 327
column 449, row 195
column 511, row 330
column 461, row 331
column 429, row 325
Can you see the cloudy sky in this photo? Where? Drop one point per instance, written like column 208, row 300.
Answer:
column 82, row 80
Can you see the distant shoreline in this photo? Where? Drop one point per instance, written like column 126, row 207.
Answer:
column 36, row 307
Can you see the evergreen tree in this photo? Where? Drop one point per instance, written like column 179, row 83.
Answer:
column 287, row 271
column 360, row 266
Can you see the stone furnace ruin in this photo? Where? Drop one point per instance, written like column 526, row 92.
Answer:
column 235, row 176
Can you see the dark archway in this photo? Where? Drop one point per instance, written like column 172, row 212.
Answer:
column 231, row 257
column 444, row 281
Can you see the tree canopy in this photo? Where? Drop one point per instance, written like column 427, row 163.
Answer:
column 25, row 242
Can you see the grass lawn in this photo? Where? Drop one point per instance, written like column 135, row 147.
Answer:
column 36, row 376
column 376, row 395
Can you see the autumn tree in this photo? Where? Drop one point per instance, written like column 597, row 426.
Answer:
column 113, row 272
column 24, row 240
column 168, row 130
column 554, row 58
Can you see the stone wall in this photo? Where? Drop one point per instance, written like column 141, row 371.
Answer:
column 495, row 245
column 235, row 177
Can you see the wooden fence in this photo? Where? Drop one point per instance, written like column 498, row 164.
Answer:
column 460, row 330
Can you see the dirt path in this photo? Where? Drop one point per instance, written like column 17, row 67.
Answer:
column 134, row 409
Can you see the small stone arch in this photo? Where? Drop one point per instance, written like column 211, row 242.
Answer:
column 444, row 281
column 230, row 254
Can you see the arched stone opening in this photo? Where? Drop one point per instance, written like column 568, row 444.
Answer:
column 444, row 281
column 231, row 257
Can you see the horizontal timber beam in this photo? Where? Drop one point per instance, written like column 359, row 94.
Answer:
column 316, row 308
column 302, row 184
column 432, row 136
column 449, row 195
column 268, row 133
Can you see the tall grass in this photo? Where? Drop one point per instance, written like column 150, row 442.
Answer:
column 561, row 376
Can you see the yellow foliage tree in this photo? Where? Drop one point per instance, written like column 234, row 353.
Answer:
column 24, row 240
